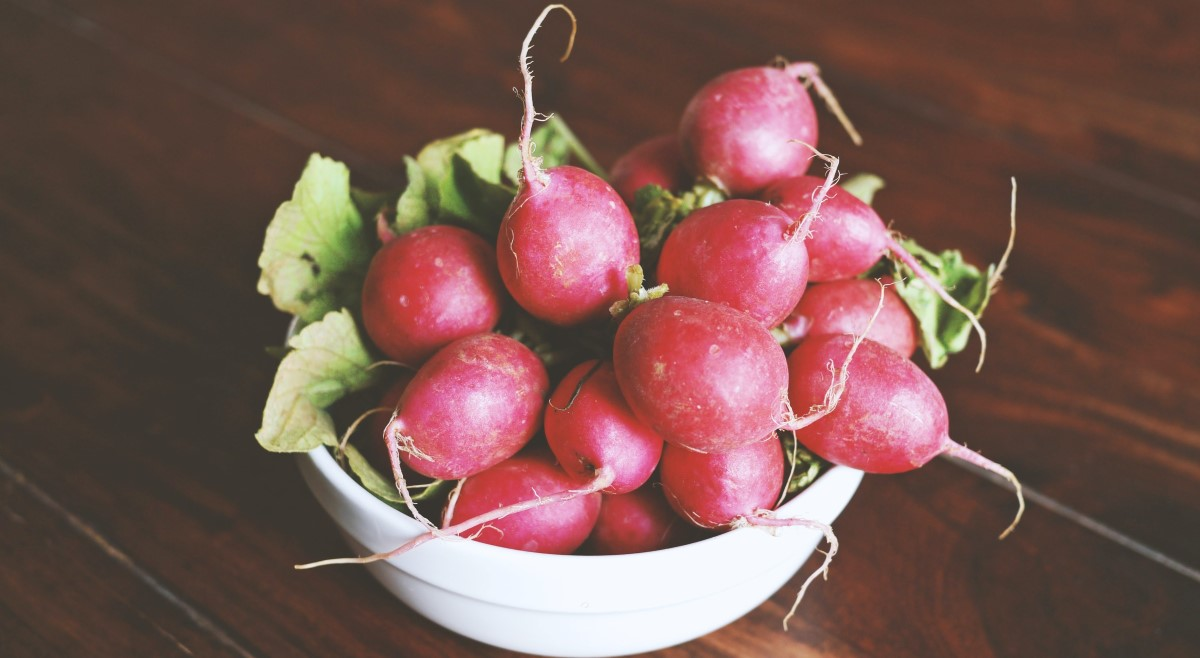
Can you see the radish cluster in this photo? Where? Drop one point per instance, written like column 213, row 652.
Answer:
column 667, row 420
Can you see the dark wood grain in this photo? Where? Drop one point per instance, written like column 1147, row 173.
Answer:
column 145, row 149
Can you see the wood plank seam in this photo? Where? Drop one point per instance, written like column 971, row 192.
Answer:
column 201, row 620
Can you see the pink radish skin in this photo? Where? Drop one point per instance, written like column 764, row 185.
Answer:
column 656, row 161
column 638, row 522
column 558, row 528
column 850, row 237
column 427, row 288
column 742, row 253
column 567, row 238
column 564, row 246
column 738, row 130
column 715, row 489
column 475, row 403
column 704, row 376
column 845, row 307
column 891, row 417
column 595, row 427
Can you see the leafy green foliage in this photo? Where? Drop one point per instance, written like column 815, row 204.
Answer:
column 656, row 211
column 317, row 248
column 456, row 180
column 864, row 186
column 943, row 330
column 383, row 486
column 327, row 361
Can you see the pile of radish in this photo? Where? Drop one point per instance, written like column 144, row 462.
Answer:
column 529, row 353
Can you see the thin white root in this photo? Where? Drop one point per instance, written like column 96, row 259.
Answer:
column 803, row 226
column 994, row 280
column 451, row 503
column 811, row 74
column 530, row 168
column 354, row 426
column 604, row 478
column 971, row 457
column 764, row 518
column 393, row 446
column 837, row 387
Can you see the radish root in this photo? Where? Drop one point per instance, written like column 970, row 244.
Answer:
column 803, row 226
column 765, row 518
column 971, row 457
column 393, row 446
column 531, row 169
column 994, row 280
column 809, row 73
column 834, row 393
column 341, row 448
column 604, row 478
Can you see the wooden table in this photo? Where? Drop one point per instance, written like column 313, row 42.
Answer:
column 144, row 148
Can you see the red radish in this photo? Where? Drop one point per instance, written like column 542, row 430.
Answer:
column 891, row 417
column 656, row 161
column 845, row 307
column 589, row 425
column 637, row 522
column 735, row 489
column 703, row 375
column 712, row 490
column 475, row 403
column 567, row 238
column 427, row 288
column 736, row 131
column 557, row 528
column 740, row 253
column 852, row 238
column 746, row 254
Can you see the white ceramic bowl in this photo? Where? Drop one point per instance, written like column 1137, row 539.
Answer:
column 577, row 605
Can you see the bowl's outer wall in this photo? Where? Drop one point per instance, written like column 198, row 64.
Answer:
column 544, row 604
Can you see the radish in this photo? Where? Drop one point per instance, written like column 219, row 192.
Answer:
column 589, row 425
column 891, row 417
column 852, row 238
column 703, row 375
column 656, row 161
column 746, row 254
column 567, row 238
column 427, row 288
column 637, row 522
column 845, row 307
column 735, row 489
column 553, row 528
column 475, row 403
column 736, row 129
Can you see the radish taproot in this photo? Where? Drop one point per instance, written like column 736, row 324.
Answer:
column 656, row 161
column 475, row 403
column 891, row 417
column 589, row 425
column 845, row 307
column 427, row 288
column 557, row 528
column 567, row 237
column 737, row 130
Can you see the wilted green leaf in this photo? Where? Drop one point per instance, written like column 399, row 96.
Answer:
column 327, row 360
column 803, row 466
column 863, row 186
column 317, row 248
